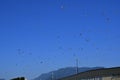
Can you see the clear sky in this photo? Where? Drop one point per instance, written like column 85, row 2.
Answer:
column 38, row 36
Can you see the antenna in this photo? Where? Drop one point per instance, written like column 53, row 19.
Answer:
column 52, row 76
column 76, row 65
column 76, row 68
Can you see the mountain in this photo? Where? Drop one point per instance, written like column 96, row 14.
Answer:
column 2, row 79
column 63, row 72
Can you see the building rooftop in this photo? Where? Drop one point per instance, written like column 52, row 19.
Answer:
column 97, row 73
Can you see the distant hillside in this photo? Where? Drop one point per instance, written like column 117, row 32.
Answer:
column 2, row 79
column 63, row 72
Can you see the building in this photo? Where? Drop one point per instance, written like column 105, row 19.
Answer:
column 19, row 78
column 98, row 74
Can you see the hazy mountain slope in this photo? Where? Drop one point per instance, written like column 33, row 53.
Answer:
column 63, row 72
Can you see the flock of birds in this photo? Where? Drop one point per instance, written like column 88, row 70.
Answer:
column 21, row 52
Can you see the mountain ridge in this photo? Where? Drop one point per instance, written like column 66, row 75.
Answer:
column 63, row 72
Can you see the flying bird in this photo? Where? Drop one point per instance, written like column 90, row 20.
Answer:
column 80, row 34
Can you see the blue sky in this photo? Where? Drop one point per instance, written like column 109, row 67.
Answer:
column 38, row 36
